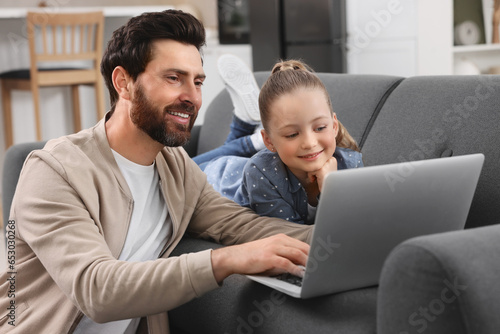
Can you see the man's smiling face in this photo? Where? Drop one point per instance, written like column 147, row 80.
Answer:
column 167, row 95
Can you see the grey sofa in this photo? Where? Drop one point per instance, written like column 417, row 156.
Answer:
column 443, row 283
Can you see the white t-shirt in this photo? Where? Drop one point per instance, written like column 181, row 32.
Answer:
column 150, row 229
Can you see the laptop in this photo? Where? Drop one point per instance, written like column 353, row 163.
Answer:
column 364, row 213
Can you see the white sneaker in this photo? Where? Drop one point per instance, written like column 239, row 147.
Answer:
column 242, row 87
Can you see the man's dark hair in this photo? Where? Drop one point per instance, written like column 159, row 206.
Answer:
column 131, row 45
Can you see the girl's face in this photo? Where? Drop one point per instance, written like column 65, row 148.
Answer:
column 302, row 129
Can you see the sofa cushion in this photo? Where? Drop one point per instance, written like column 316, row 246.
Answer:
column 355, row 99
column 432, row 117
column 244, row 306
column 444, row 283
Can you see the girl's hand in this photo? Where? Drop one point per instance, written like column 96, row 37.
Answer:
column 320, row 174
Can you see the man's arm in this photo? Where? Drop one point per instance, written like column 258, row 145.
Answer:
column 259, row 244
column 275, row 254
column 223, row 221
column 264, row 244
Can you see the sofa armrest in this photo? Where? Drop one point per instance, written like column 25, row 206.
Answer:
column 244, row 306
column 442, row 283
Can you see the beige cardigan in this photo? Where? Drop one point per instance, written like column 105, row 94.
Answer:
column 70, row 215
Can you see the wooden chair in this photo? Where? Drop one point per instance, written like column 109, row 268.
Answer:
column 56, row 40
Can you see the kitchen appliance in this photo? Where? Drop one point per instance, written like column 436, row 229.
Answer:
column 313, row 31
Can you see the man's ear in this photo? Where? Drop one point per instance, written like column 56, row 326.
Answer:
column 121, row 80
column 267, row 141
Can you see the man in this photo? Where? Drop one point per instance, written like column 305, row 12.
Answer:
column 97, row 213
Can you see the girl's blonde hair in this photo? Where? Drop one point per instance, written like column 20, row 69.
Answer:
column 287, row 76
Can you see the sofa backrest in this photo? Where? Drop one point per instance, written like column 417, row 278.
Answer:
column 355, row 99
column 395, row 119
column 439, row 116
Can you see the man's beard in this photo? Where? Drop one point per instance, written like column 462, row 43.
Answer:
column 147, row 118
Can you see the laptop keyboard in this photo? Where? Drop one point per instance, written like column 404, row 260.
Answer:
column 289, row 278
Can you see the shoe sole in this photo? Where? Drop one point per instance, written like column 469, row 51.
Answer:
column 237, row 77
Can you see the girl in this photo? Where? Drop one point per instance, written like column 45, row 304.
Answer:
column 304, row 142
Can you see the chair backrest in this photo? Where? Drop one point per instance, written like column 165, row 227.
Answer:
column 74, row 37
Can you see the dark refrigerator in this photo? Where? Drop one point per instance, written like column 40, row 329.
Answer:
column 311, row 30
